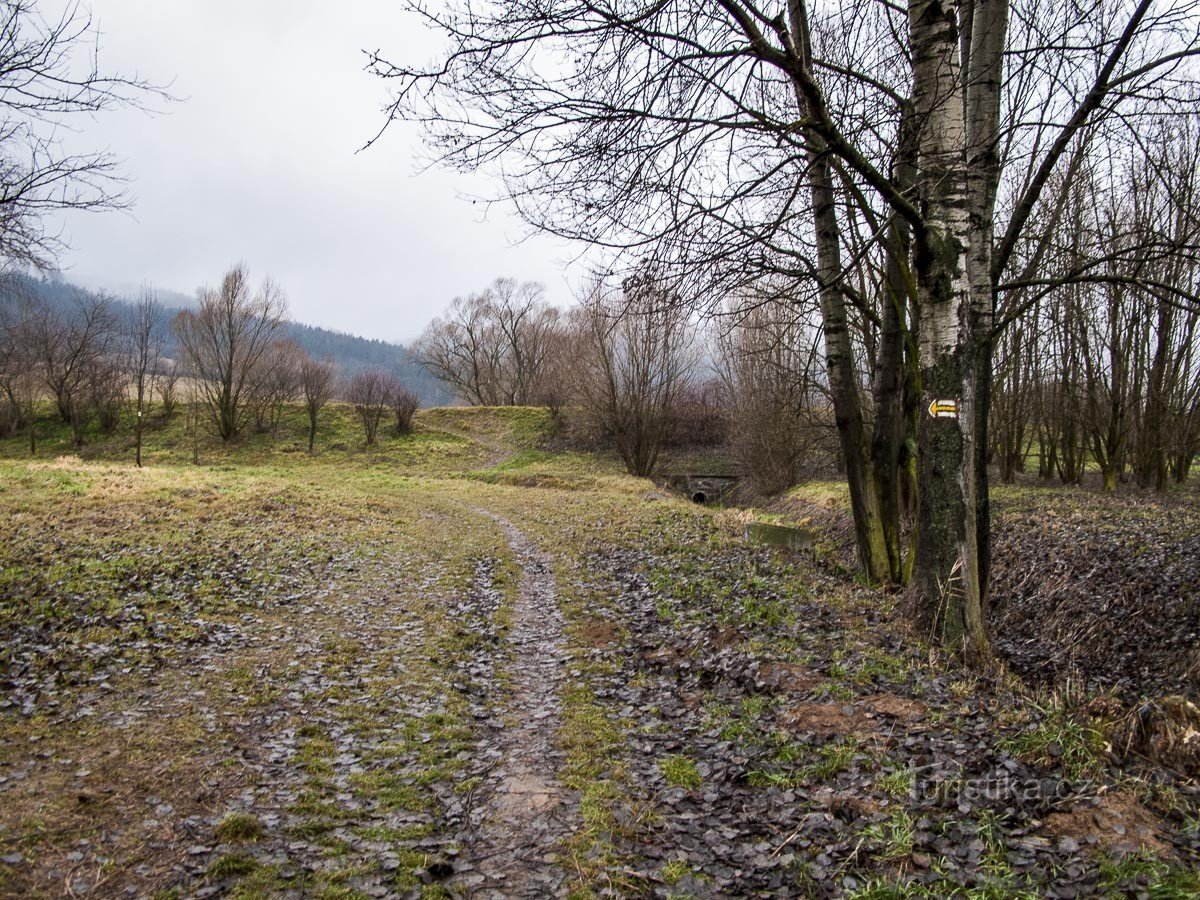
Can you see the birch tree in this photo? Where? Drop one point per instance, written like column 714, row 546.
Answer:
column 737, row 142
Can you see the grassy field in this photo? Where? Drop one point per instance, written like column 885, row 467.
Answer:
column 247, row 671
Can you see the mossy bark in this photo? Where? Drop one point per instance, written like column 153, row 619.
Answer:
column 947, row 565
column 896, row 381
column 947, row 577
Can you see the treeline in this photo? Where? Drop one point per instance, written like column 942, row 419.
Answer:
column 631, row 368
column 1097, row 360
column 350, row 352
column 80, row 357
column 1101, row 375
column 103, row 361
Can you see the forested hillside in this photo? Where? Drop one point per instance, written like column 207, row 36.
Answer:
column 350, row 352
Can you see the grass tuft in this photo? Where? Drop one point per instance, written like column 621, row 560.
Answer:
column 232, row 865
column 238, row 827
column 680, row 771
column 1060, row 739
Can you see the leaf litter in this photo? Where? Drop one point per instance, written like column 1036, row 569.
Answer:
column 390, row 713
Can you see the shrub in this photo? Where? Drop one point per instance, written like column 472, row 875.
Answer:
column 405, row 404
column 371, row 392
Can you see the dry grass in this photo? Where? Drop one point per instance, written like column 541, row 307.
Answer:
column 1165, row 732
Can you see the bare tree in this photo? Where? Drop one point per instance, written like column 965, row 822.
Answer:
column 49, row 74
column 699, row 414
column 769, row 354
column 460, row 350
column 274, row 382
column 1014, row 395
column 166, row 382
column 108, row 390
column 637, row 351
column 195, row 400
column 144, row 337
column 318, row 380
column 226, row 340
column 17, row 363
column 72, row 352
column 738, row 143
column 21, row 376
column 526, row 327
column 557, row 385
column 493, row 348
column 1097, row 353
column 371, row 392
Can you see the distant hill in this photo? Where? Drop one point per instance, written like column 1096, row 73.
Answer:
column 350, row 352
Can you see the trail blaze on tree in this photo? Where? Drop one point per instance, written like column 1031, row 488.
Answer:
column 903, row 167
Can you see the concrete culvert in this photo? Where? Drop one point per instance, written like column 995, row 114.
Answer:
column 702, row 488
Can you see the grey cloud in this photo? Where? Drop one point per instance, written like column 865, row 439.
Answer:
column 258, row 162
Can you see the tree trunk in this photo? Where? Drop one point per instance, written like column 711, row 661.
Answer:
column 137, row 425
column 984, row 26
column 32, row 426
column 947, row 577
column 865, row 502
column 891, row 385
column 1154, row 464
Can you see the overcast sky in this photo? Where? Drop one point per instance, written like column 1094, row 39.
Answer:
column 257, row 162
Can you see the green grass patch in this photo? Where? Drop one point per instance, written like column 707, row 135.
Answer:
column 239, row 827
column 680, row 771
column 1060, row 740
column 892, row 839
column 231, row 865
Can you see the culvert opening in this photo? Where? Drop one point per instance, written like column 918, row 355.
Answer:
column 700, row 488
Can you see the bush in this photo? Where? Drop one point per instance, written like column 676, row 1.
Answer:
column 405, row 404
column 698, row 416
column 371, row 392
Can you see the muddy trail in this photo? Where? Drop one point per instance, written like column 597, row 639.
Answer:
column 512, row 847
column 374, row 731
column 469, row 691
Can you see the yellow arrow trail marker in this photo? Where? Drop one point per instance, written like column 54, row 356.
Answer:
column 944, row 409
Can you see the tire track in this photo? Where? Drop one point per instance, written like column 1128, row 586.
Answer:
column 525, row 813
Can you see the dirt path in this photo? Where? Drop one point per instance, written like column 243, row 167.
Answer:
column 524, row 813
column 498, row 454
column 308, row 687
column 358, row 725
